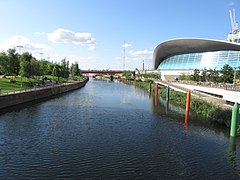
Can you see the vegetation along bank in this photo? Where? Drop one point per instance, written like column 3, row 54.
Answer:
column 199, row 109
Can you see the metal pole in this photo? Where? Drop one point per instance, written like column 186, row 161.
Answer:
column 234, row 121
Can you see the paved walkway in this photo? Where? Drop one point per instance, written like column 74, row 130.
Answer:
column 209, row 98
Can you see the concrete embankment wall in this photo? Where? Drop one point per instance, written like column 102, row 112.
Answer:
column 9, row 100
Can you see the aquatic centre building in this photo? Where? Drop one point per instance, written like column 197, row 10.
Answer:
column 190, row 54
column 183, row 55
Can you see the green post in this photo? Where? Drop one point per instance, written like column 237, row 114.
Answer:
column 234, row 121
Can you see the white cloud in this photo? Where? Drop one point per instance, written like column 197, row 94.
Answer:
column 141, row 54
column 127, row 45
column 66, row 36
column 25, row 43
column 92, row 48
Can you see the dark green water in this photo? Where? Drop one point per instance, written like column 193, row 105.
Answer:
column 111, row 131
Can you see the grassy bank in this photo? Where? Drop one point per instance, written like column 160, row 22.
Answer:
column 199, row 109
column 16, row 84
column 11, row 84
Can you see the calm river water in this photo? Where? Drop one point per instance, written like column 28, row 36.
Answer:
column 111, row 131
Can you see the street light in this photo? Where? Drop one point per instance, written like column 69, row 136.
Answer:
column 19, row 49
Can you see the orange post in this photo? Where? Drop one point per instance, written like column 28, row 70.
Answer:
column 188, row 100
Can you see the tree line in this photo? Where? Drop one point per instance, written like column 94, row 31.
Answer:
column 225, row 75
column 25, row 65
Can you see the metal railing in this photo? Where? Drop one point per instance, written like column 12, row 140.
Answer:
column 226, row 86
column 35, row 88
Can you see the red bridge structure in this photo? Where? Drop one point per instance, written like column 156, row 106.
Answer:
column 104, row 71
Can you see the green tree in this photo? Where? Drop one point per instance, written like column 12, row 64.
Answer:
column 213, row 76
column 203, row 76
column 227, row 74
column 3, row 63
column 50, row 67
column 196, row 75
column 65, row 68
column 44, row 64
column 75, row 71
column 35, row 67
column 238, row 73
column 13, row 62
column 57, row 71
column 127, row 74
column 25, row 65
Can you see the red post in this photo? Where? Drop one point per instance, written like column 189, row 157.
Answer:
column 188, row 100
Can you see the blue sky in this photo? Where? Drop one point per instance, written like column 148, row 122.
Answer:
column 92, row 32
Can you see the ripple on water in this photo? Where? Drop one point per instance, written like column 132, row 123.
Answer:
column 105, row 131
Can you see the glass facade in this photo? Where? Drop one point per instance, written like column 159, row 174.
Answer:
column 208, row 60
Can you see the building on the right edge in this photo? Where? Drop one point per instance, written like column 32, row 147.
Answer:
column 183, row 55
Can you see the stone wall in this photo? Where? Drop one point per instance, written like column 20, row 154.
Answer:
column 9, row 100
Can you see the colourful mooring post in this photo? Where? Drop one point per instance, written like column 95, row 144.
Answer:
column 234, row 121
column 188, row 100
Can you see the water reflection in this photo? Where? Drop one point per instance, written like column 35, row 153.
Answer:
column 111, row 131
column 232, row 156
column 165, row 107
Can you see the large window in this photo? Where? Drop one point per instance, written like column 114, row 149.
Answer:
column 208, row 60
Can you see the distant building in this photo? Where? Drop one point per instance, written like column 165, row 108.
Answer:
column 178, row 56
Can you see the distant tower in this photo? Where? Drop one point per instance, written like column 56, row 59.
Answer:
column 48, row 57
column 19, row 46
column 41, row 53
column 234, row 36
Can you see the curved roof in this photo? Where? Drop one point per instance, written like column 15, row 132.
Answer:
column 182, row 46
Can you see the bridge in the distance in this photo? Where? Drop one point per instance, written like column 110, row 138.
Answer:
column 104, row 71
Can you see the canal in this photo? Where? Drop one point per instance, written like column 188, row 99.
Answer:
column 111, row 131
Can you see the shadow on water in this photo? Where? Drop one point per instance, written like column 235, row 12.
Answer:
column 19, row 107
